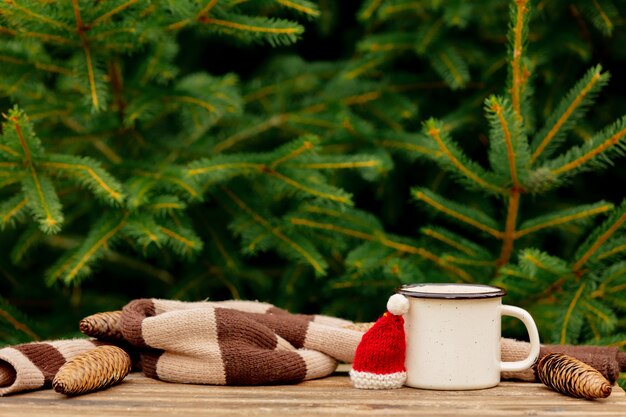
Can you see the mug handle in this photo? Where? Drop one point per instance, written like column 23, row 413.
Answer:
column 531, row 327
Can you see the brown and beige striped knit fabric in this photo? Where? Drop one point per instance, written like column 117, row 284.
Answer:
column 34, row 365
column 234, row 342
column 228, row 343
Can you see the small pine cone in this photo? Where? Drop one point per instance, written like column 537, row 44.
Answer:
column 104, row 326
column 93, row 370
column 572, row 377
column 359, row 327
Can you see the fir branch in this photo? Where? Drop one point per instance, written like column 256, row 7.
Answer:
column 251, row 131
column 275, row 31
column 411, row 144
column 572, row 108
column 508, row 237
column 534, row 261
column 561, row 217
column 43, row 201
column 202, row 14
column 44, row 66
column 596, row 152
column 612, row 247
column 611, row 280
column 108, row 15
column 310, row 258
column 180, row 180
column 458, row 162
column 80, row 28
column 12, row 316
column 599, row 236
column 11, row 210
column 76, row 263
column 88, row 173
column 183, row 240
column 519, row 15
column 145, row 231
column 455, row 241
column 333, row 194
column 451, row 66
column 458, row 212
column 571, row 321
column 368, row 8
column 506, row 130
column 306, row 7
column 599, row 316
column 31, row 237
column 36, row 16
column 603, row 14
column 383, row 240
column 164, row 205
column 293, row 150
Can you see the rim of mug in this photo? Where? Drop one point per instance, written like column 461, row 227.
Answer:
column 409, row 290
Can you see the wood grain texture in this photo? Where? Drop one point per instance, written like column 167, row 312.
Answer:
column 333, row 396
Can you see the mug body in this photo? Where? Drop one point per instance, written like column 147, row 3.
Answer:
column 453, row 336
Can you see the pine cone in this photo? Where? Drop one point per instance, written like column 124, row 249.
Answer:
column 572, row 377
column 104, row 326
column 93, row 370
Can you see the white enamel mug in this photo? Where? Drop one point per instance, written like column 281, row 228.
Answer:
column 453, row 336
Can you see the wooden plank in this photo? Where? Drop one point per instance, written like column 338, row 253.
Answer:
column 333, row 396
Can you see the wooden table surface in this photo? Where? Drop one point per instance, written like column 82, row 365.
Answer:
column 332, row 396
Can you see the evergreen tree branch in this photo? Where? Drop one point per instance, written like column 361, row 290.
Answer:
column 48, row 38
column 36, row 16
column 273, row 230
column 508, row 237
column 454, row 156
column 39, row 65
column 568, row 314
column 305, row 147
column 309, row 190
column 90, row 173
column 611, row 248
column 592, row 151
column 203, row 13
column 463, row 214
column 80, row 29
column 185, row 245
column 190, row 189
column 43, row 201
column 17, row 324
column 599, row 237
column 368, row 8
column 504, row 129
column 383, row 240
column 411, row 147
column 518, row 76
column 456, row 242
column 107, row 16
column 571, row 108
column 8, row 150
column 242, row 135
column 11, row 209
column 561, row 217
column 303, row 7
column 74, row 265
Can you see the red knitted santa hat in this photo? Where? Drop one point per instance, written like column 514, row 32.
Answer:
column 379, row 359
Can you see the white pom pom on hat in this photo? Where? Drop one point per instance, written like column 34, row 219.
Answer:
column 398, row 305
